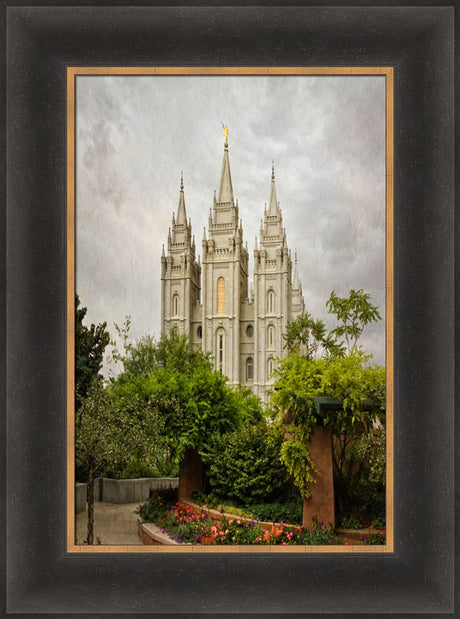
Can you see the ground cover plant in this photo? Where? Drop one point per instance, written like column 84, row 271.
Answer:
column 186, row 525
column 289, row 511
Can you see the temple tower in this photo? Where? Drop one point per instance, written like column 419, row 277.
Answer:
column 272, row 292
column 225, row 278
column 180, row 273
column 241, row 330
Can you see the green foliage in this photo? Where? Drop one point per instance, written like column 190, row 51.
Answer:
column 244, row 467
column 349, row 522
column 134, row 468
column 193, row 402
column 144, row 356
column 184, row 524
column 174, row 351
column 342, row 373
column 90, row 343
column 374, row 539
column 348, row 379
column 110, row 431
column 307, row 336
column 113, row 432
column 141, row 358
column 353, row 314
column 361, row 480
column 159, row 503
column 289, row 511
column 97, row 434
column 296, row 458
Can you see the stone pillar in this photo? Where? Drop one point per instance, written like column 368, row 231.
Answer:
column 320, row 505
column 191, row 474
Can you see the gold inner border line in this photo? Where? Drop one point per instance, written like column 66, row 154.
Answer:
column 72, row 73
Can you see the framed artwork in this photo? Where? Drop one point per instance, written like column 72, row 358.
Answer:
column 344, row 115
column 72, row 67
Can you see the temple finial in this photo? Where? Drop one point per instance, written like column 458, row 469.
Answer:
column 182, row 181
column 273, row 170
column 225, row 128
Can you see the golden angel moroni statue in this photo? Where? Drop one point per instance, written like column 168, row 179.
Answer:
column 225, row 128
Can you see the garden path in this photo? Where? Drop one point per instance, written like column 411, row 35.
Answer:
column 114, row 524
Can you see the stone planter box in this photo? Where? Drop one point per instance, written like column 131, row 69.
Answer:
column 217, row 515
column 151, row 535
column 351, row 536
column 134, row 490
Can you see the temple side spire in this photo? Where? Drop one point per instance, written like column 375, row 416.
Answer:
column 295, row 278
column 181, row 214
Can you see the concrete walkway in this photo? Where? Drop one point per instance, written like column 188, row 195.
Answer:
column 113, row 524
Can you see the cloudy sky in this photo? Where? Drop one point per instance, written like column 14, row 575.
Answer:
column 135, row 134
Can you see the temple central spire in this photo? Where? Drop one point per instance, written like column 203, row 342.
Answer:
column 273, row 204
column 225, row 194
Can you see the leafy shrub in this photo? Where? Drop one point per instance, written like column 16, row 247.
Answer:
column 159, row 503
column 244, row 467
column 360, row 487
column 348, row 523
column 158, row 465
column 290, row 511
column 374, row 539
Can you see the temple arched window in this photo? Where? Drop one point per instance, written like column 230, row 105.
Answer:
column 270, row 301
column 220, row 350
column 221, row 295
column 175, row 305
column 271, row 336
column 250, row 369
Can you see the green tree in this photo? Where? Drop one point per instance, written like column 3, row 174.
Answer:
column 143, row 356
column 307, row 337
column 299, row 380
column 90, row 344
column 194, row 402
column 109, row 430
column 353, row 313
column 343, row 373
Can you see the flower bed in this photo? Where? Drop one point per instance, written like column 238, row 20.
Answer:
column 185, row 525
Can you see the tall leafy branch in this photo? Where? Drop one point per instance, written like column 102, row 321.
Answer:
column 342, row 372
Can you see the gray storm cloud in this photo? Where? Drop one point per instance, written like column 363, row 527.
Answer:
column 135, row 135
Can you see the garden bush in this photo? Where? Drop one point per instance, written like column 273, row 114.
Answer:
column 244, row 467
column 360, row 486
column 158, row 505
column 289, row 511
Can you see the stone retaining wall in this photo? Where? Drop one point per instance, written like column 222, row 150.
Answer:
column 122, row 490
column 134, row 490
column 80, row 498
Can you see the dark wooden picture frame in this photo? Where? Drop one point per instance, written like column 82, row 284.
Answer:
column 41, row 43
